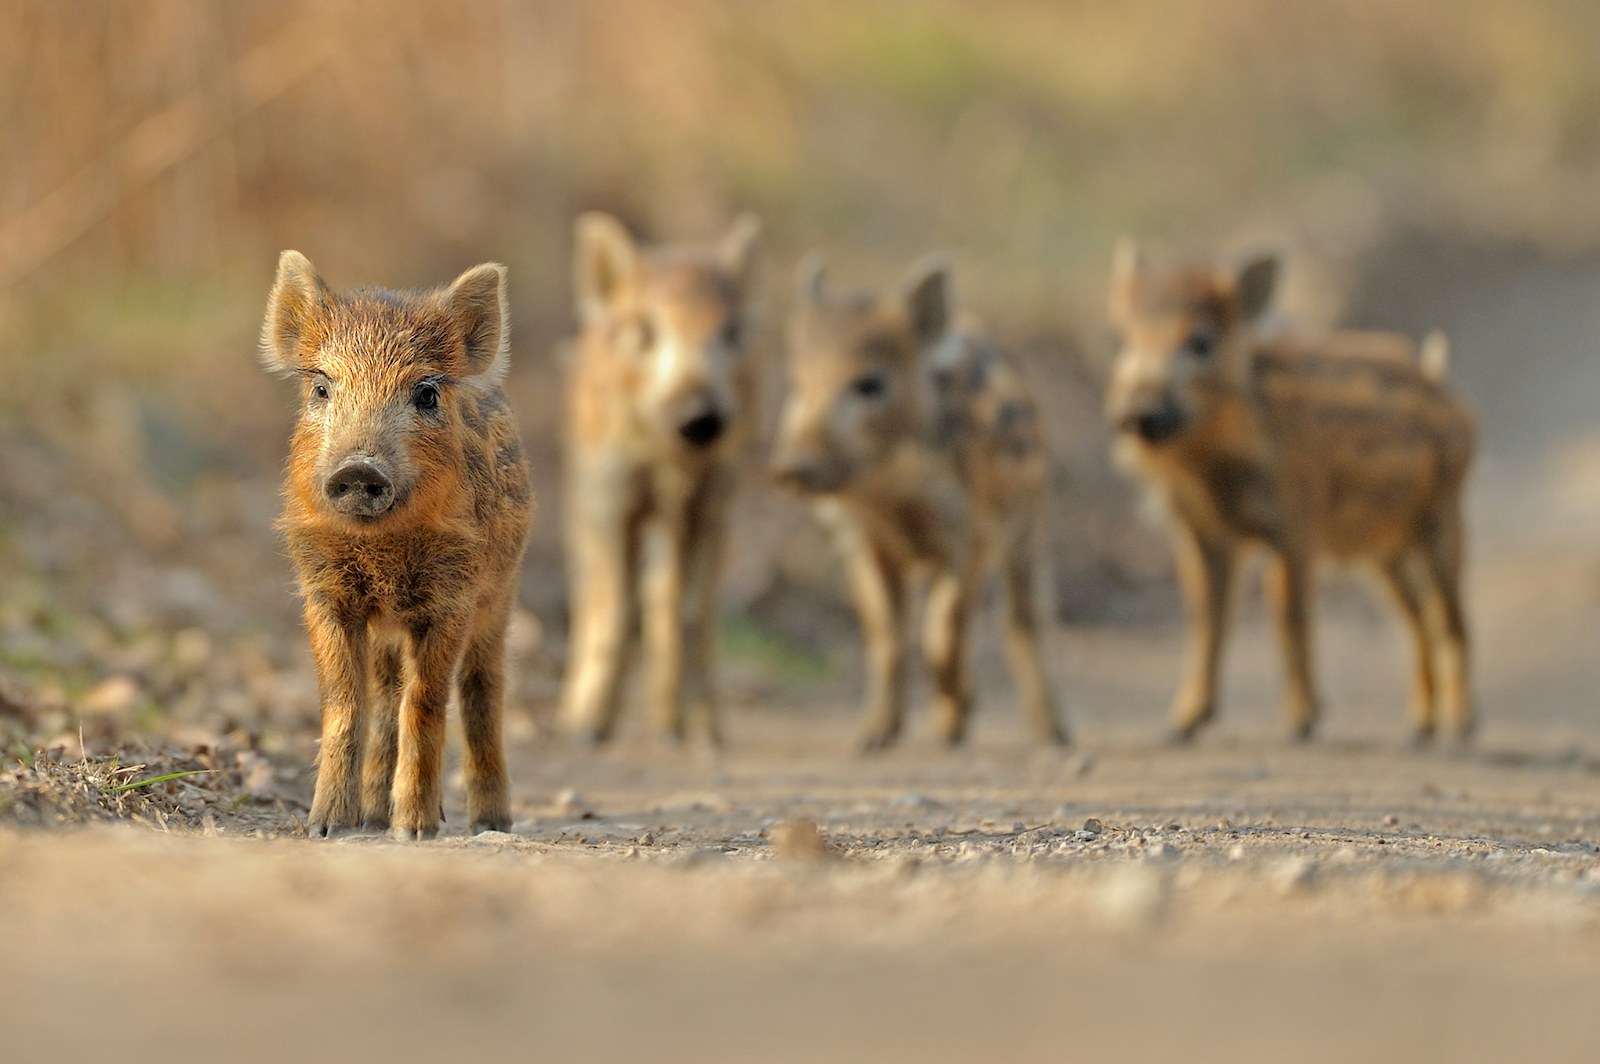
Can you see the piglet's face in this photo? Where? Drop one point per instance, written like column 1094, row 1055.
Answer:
column 382, row 378
column 1183, row 338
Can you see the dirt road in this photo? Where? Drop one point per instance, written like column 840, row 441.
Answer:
column 1245, row 899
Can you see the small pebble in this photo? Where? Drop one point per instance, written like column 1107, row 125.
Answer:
column 799, row 839
column 1093, row 825
column 1296, row 873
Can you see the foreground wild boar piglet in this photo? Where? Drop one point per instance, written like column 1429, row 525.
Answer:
column 659, row 403
column 1348, row 446
column 407, row 506
column 922, row 452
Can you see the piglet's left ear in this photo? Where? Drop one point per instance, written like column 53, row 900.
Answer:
column 737, row 249
column 476, row 301
column 929, row 302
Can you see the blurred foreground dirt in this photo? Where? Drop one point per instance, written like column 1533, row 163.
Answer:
column 1245, row 899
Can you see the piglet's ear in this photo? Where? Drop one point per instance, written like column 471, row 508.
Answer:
column 928, row 299
column 299, row 298
column 476, row 302
column 811, row 278
column 1257, row 280
column 607, row 262
column 1127, row 274
column 736, row 251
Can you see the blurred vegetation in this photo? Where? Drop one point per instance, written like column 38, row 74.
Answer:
column 164, row 142
column 158, row 154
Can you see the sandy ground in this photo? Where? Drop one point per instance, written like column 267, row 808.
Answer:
column 1243, row 899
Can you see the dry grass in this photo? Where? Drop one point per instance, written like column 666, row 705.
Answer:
column 157, row 788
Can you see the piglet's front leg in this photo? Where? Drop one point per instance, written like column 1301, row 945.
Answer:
column 434, row 648
column 340, row 649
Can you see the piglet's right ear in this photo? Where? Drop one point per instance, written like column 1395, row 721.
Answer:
column 299, row 297
column 607, row 262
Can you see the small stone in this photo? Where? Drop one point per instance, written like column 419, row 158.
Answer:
column 114, row 696
column 258, row 776
column 1132, row 896
column 799, row 839
column 1093, row 826
column 191, row 649
column 1296, row 873
column 1018, row 827
column 1391, row 821
column 647, row 839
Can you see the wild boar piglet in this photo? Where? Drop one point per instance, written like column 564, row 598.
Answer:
column 660, row 396
column 406, row 510
column 918, row 442
column 1349, row 446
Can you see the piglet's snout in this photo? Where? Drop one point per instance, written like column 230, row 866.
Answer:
column 703, row 429
column 358, row 488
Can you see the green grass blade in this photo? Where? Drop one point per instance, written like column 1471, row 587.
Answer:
column 158, row 779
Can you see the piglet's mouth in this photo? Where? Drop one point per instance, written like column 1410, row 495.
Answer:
column 811, row 479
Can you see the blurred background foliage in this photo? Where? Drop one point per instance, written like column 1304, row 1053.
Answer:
column 1429, row 162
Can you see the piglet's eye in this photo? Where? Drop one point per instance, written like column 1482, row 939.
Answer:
column 732, row 332
column 869, row 386
column 319, row 388
column 425, row 396
column 1201, row 342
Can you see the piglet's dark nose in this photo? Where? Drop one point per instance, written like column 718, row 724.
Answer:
column 359, row 489
column 1155, row 426
column 703, row 429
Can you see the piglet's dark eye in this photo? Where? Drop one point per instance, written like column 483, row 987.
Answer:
column 732, row 332
column 425, row 396
column 1201, row 342
column 319, row 390
column 869, row 386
